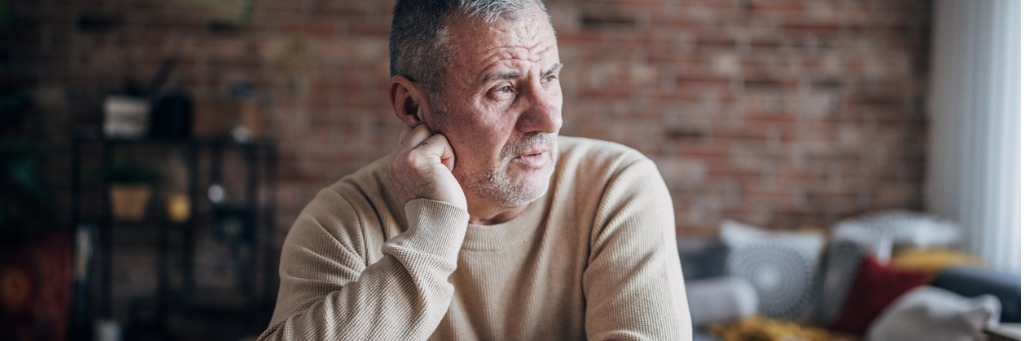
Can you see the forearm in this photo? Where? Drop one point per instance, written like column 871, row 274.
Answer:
column 404, row 295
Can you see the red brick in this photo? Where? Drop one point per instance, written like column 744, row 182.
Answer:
column 779, row 113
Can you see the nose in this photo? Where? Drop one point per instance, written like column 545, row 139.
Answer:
column 543, row 112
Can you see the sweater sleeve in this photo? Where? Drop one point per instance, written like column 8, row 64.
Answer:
column 328, row 293
column 634, row 283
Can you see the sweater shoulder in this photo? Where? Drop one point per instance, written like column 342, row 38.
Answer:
column 354, row 210
column 592, row 157
column 589, row 170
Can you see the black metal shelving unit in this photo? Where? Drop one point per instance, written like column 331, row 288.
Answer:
column 254, row 302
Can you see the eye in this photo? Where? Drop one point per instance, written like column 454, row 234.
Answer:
column 550, row 77
column 505, row 89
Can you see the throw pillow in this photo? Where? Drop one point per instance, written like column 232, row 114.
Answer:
column 906, row 228
column 838, row 270
column 842, row 259
column 929, row 313
column 874, row 288
column 780, row 265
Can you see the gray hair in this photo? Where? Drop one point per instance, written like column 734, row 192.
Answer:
column 418, row 43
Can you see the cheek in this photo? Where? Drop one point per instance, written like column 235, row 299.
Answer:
column 556, row 93
column 477, row 145
column 478, row 135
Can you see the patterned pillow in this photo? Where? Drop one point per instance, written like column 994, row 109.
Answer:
column 906, row 228
column 781, row 265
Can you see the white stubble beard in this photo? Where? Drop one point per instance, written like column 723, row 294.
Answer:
column 497, row 185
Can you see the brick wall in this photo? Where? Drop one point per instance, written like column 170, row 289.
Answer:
column 777, row 113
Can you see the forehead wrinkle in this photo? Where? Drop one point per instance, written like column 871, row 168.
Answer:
column 502, row 45
column 533, row 53
column 510, row 56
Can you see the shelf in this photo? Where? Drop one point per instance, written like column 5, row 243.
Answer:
column 243, row 225
column 146, row 224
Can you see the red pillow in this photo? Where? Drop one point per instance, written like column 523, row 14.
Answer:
column 875, row 286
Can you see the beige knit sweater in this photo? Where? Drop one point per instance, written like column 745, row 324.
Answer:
column 595, row 258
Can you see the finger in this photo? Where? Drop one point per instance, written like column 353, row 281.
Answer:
column 448, row 154
column 437, row 148
column 415, row 137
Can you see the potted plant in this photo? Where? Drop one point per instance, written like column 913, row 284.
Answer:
column 130, row 190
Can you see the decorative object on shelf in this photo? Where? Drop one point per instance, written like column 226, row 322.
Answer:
column 130, row 190
column 129, row 201
column 251, row 120
column 214, row 118
column 240, row 116
column 179, row 208
column 177, row 201
column 125, row 116
column 172, row 116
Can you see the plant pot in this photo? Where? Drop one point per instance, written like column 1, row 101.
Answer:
column 129, row 202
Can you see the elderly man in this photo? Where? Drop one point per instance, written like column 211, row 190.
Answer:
column 483, row 223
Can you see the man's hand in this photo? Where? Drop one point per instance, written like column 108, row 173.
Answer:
column 421, row 167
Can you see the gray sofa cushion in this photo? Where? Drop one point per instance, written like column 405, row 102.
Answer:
column 973, row 282
column 720, row 300
column 702, row 258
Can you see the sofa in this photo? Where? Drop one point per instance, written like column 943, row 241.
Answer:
column 890, row 275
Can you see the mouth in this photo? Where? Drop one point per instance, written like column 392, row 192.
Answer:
column 536, row 158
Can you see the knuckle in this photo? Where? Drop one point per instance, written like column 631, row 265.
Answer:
column 409, row 158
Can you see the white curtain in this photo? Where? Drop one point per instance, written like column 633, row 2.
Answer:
column 974, row 157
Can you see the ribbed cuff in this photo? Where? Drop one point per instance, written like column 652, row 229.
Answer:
column 435, row 227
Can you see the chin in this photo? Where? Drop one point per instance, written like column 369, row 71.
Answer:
column 524, row 198
column 534, row 187
column 512, row 187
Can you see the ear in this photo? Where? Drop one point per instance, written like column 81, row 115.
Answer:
column 408, row 100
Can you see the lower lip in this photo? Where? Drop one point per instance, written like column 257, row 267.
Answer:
column 533, row 160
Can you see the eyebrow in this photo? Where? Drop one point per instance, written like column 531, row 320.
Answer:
column 502, row 76
column 515, row 74
column 553, row 70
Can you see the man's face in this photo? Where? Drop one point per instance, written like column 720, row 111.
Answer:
column 501, row 108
